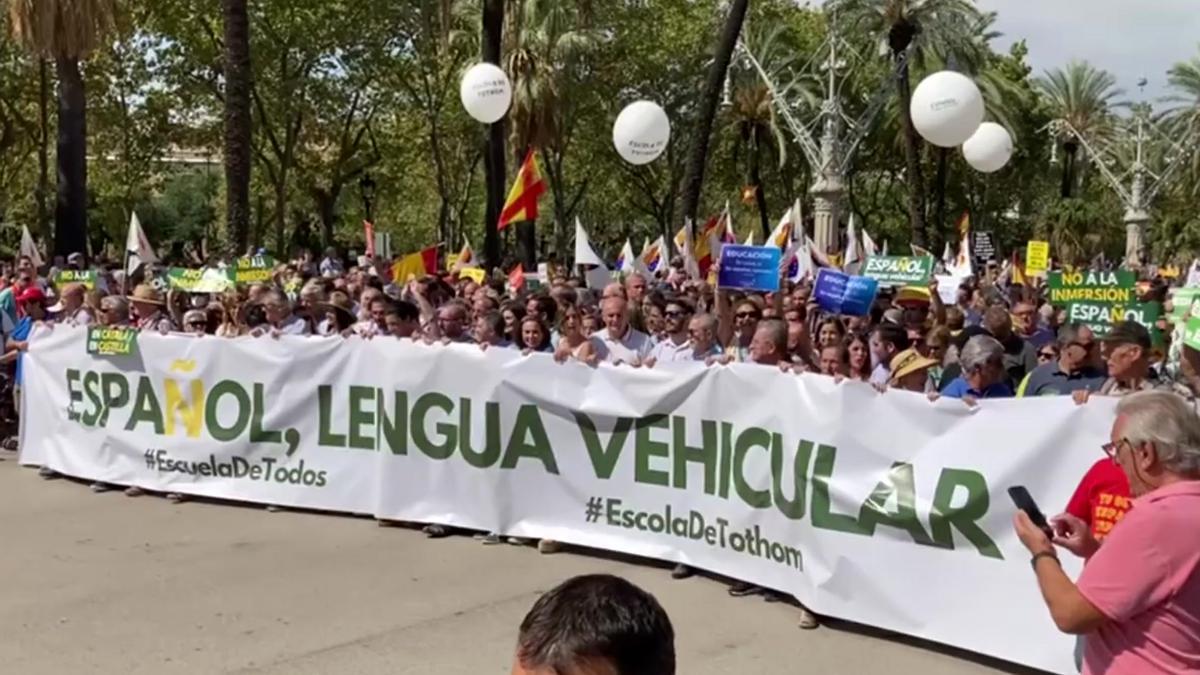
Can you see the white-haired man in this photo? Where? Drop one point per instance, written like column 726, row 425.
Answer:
column 1138, row 599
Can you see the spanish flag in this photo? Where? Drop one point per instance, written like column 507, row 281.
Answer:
column 416, row 265
column 522, row 203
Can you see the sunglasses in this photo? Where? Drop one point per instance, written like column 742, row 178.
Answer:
column 1085, row 346
column 746, row 315
column 673, row 315
column 1046, row 355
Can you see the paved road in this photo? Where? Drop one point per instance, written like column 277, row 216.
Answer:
column 110, row 584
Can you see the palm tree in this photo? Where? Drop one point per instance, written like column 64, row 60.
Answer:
column 67, row 32
column 904, row 28
column 493, row 165
column 752, row 110
column 237, row 122
column 1183, row 115
column 1080, row 98
column 547, row 42
column 693, row 177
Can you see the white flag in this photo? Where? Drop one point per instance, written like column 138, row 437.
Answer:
column 803, row 262
column 851, row 258
column 868, row 245
column 1193, row 276
column 749, row 240
column 947, row 255
column 28, row 248
column 627, row 262
column 584, row 254
column 137, row 246
column 884, row 251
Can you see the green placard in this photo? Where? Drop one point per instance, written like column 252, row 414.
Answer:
column 1191, row 332
column 204, row 280
column 1182, row 300
column 253, row 269
column 111, row 341
column 85, row 277
column 1109, row 287
column 1101, row 316
column 899, row 270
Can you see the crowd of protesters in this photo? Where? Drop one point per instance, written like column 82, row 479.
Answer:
column 996, row 340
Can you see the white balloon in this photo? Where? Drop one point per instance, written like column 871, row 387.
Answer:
column 641, row 132
column 989, row 148
column 946, row 108
column 486, row 92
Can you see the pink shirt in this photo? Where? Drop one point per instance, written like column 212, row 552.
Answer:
column 1145, row 580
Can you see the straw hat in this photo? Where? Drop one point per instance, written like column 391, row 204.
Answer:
column 146, row 294
column 908, row 362
column 342, row 305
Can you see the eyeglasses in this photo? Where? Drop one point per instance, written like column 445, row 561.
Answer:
column 1111, row 449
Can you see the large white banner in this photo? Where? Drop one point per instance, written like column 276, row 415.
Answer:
column 884, row 509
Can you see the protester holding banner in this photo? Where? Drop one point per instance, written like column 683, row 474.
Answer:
column 887, row 340
column 71, row 306
column 983, row 372
column 619, row 342
column 1071, row 371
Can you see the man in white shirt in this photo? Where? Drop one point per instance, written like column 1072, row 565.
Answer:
column 618, row 342
column 675, row 346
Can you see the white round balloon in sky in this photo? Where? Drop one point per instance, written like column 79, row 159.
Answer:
column 946, row 108
column 486, row 92
column 989, row 148
column 641, row 132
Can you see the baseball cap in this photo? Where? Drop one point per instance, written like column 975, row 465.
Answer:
column 32, row 294
column 75, row 258
column 1128, row 333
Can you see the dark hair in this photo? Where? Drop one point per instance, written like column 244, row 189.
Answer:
column 405, row 310
column 866, row 343
column 520, row 338
column 495, row 320
column 891, row 333
column 598, row 617
column 547, row 306
column 256, row 316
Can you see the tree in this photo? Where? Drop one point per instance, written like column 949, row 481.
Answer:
column 693, row 179
column 1183, row 114
column 1080, row 96
column 752, row 110
column 66, row 32
column 898, row 26
column 237, row 121
column 548, row 44
column 493, row 165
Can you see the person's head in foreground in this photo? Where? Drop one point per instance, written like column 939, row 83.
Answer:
column 1155, row 440
column 595, row 624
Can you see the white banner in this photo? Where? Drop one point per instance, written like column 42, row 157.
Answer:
column 885, row 509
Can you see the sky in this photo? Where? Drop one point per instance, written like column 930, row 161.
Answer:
column 1129, row 38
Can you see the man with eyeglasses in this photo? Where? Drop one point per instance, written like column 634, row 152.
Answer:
column 1137, row 601
column 1071, row 372
column 1025, row 320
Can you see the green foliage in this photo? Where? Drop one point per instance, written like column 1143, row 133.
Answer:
column 342, row 89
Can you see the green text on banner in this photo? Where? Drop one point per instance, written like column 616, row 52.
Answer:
column 902, row 523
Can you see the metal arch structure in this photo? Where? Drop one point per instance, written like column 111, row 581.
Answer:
column 1143, row 184
column 831, row 154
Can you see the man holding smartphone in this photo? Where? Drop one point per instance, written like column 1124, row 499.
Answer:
column 1138, row 598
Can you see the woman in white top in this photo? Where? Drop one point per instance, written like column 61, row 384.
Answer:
column 572, row 342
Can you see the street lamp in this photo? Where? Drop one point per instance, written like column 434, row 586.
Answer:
column 367, row 185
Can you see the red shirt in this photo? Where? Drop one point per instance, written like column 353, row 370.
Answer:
column 1102, row 498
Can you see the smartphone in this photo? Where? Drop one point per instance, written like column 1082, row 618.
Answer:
column 1024, row 501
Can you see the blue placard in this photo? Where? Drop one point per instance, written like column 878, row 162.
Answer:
column 840, row 293
column 752, row 268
